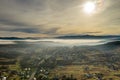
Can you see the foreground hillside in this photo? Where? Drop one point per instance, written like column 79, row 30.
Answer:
column 31, row 60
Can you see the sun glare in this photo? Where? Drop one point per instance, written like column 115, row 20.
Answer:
column 89, row 7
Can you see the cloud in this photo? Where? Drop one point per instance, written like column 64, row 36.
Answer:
column 50, row 31
column 12, row 23
column 97, row 32
column 14, row 26
column 56, row 17
column 26, row 30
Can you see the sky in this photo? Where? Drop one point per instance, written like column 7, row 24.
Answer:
column 49, row 18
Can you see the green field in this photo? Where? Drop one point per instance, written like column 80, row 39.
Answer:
column 79, row 72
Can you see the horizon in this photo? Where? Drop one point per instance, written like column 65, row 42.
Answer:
column 78, row 35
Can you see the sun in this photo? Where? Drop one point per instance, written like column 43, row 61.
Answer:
column 89, row 7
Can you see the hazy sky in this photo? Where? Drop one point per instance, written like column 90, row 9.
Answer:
column 41, row 18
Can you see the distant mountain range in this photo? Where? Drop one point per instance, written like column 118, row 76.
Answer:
column 67, row 37
column 16, row 38
column 88, row 37
column 10, row 38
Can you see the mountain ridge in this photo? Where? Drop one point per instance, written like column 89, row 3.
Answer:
column 87, row 36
